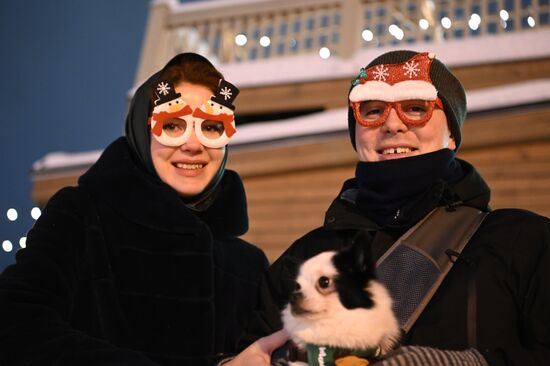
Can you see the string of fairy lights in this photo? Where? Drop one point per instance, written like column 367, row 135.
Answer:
column 265, row 41
column 367, row 35
column 13, row 215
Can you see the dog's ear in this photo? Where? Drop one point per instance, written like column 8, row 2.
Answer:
column 362, row 254
column 355, row 270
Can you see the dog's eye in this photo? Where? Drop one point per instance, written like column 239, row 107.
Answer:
column 324, row 282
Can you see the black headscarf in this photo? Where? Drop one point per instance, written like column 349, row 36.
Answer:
column 139, row 136
column 137, row 130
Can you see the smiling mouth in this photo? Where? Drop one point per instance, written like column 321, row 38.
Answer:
column 396, row 150
column 194, row 166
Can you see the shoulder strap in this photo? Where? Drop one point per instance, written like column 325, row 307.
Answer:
column 416, row 264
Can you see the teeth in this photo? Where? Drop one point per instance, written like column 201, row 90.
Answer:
column 189, row 166
column 397, row 150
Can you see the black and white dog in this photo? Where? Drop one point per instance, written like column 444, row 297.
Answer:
column 339, row 304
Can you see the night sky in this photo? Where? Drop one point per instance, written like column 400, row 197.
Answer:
column 66, row 67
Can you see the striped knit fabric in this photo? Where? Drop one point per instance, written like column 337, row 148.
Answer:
column 426, row 356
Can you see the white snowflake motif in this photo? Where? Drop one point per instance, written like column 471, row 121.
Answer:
column 381, row 73
column 226, row 92
column 411, row 68
column 163, row 88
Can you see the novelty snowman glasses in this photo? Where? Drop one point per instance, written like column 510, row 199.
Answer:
column 173, row 121
column 175, row 128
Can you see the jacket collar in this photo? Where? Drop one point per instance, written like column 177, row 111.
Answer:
column 120, row 181
column 471, row 191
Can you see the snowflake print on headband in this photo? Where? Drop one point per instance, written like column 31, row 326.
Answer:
column 381, row 73
column 411, row 68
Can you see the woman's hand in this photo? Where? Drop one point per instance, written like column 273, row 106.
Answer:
column 259, row 352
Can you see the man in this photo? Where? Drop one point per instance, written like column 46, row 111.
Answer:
column 405, row 117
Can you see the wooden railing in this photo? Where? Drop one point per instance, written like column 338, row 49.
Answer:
column 228, row 32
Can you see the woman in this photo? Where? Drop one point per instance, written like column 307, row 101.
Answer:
column 141, row 263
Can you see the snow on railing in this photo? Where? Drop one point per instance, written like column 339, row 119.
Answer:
column 234, row 31
column 322, row 123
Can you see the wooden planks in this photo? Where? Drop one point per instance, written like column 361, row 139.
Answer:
column 290, row 185
column 289, row 188
column 46, row 187
column 283, row 207
column 520, row 124
column 327, row 94
column 489, row 75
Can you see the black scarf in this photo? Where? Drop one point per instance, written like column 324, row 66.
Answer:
column 399, row 192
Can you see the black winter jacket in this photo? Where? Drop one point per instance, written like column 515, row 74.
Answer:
column 118, row 271
column 507, row 262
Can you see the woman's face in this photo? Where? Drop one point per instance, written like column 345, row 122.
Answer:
column 190, row 167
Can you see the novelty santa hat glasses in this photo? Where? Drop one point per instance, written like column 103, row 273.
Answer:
column 407, row 75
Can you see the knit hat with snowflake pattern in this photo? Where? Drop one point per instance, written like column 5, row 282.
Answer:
column 449, row 90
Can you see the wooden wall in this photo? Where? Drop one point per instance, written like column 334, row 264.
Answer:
column 290, row 187
column 327, row 94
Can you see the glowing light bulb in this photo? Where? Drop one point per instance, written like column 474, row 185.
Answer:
column 35, row 213
column 424, row 24
column 474, row 22
column 396, row 31
column 7, row 246
column 12, row 214
column 367, row 35
column 240, row 39
column 265, row 41
column 399, row 34
column 324, row 52
column 446, row 22
column 504, row 15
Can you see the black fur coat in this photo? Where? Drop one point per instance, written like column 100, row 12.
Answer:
column 118, row 271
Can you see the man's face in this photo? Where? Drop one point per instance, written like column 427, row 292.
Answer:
column 398, row 112
column 394, row 139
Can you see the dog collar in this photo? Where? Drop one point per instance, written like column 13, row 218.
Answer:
column 327, row 355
